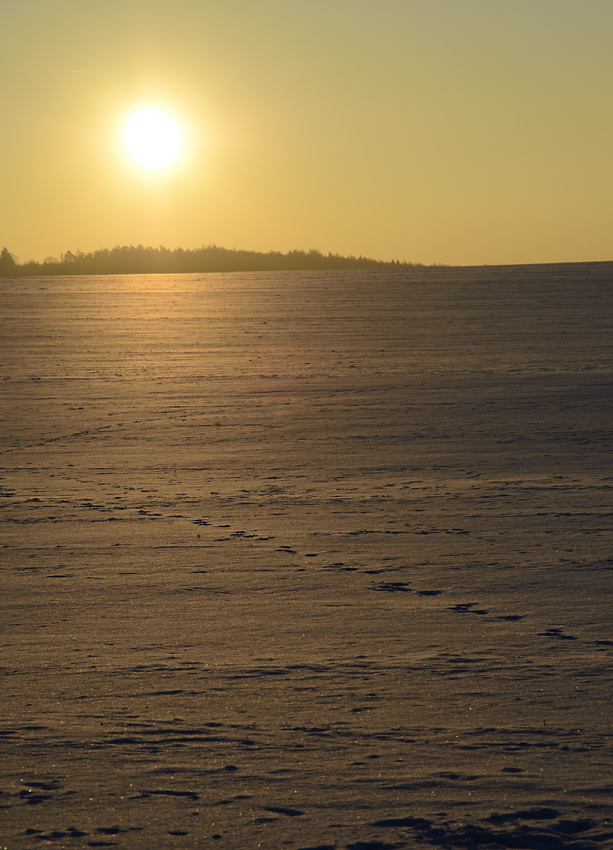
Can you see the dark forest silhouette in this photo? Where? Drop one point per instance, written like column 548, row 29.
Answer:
column 129, row 259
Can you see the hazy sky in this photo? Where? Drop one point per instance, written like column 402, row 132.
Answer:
column 450, row 131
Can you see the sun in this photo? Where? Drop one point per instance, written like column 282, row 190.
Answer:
column 152, row 138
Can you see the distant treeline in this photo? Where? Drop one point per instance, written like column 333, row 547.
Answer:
column 129, row 259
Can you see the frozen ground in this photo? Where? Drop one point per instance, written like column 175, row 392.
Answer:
column 304, row 560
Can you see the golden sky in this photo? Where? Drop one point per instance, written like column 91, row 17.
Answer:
column 449, row 131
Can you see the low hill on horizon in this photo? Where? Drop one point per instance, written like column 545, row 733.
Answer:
column 130, row 259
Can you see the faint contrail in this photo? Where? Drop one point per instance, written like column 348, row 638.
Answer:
column 65, row 71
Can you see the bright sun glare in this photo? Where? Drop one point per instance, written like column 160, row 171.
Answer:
column 152, row 138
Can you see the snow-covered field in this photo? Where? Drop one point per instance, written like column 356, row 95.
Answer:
column 307, row 560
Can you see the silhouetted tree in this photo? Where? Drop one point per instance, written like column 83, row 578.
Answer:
column 7, row 263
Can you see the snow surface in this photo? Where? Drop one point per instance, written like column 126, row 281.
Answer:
column 307, row 560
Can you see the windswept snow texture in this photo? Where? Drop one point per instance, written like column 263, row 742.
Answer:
column 307, row 560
